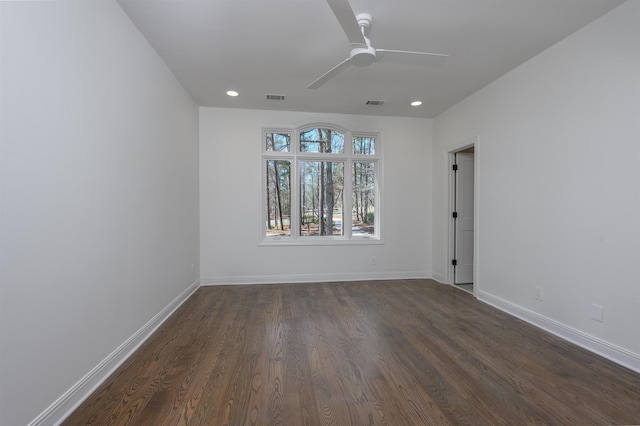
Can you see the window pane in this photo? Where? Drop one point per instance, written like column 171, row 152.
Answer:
column 278, row 142
column 278, row 198
column 321, row 191
column 364, row 145
column 364, row 193
column 322, row 140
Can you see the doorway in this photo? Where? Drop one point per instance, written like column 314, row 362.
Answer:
column 463, row 217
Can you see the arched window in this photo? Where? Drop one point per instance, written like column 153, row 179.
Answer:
column 321, row 185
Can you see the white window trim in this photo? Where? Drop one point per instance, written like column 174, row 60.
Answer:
column 348, row 158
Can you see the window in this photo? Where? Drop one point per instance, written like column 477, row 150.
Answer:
column 321, row 185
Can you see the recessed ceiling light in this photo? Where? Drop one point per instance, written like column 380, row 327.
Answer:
column 416, row 103
column 232, row 93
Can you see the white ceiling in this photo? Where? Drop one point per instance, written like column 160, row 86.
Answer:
column 260, row 47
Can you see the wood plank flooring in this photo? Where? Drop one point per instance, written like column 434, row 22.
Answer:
column 401, row 352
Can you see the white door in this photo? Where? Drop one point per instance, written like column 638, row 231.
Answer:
column 464, row 221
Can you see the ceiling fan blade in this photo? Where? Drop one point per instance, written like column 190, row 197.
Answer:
column 330, row 74
column 415, row 58
column 343, row 11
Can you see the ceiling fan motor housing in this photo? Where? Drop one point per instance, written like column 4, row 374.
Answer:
column 362, row 56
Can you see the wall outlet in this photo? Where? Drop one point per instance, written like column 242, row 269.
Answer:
column 193, row 268
column 539, row 293
column 597, row 312
column 373, row 260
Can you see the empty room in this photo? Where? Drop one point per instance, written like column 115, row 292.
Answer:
column 319, row 212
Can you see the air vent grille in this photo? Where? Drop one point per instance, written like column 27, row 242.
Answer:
column 375, row 103
column 275, row 97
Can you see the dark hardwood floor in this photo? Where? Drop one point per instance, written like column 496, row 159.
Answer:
column 402, row 352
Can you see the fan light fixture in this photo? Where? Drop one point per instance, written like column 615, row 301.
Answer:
column 232, row 93
column 416, row 103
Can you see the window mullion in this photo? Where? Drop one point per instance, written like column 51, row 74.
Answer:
column 348, row 199
column 295, row 199
column 378, row 195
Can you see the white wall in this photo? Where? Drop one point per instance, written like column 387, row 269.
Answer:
column 559, row 178
column 99, row 194
column 230, row 188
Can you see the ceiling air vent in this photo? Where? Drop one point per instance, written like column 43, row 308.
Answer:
column 275, row 97
column 375, row 103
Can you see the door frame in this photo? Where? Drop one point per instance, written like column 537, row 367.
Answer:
column 450, row 194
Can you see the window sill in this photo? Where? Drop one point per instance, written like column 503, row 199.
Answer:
column 319, row 241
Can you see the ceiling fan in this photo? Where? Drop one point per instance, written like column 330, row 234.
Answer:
column 362, row 53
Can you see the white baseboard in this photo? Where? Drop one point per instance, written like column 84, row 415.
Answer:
column 593, row 344
column 438, row 277
column 72, row 398
column 308, row 278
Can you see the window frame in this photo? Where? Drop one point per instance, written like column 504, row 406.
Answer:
column 296, row 156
